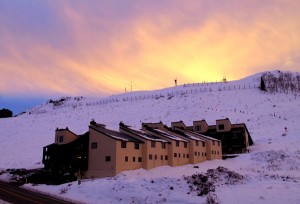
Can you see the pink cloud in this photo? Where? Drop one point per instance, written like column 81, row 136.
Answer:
column 87, row 48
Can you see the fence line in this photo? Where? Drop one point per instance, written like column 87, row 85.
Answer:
column 198, row 88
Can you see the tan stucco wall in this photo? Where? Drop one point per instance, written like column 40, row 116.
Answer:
column 203, row 124
column 106, row 146
column 158, row 151
column 129, row 152
column 68, row 136
column 172, row 148
column 197, row 152
column 181, row 151
column 216, row 150
column 148, row 149
column 213, row 147
column 178, row 124
column 226, row 123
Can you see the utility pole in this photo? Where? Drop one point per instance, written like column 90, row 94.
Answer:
column 175, row 80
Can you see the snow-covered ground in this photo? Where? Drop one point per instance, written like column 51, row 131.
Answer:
column 271, row 170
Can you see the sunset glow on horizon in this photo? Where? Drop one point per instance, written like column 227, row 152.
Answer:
column 97, row 48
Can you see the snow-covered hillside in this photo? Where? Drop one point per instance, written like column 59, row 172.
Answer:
column 271, row 170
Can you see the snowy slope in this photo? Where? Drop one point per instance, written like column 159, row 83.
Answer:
column 273, row 156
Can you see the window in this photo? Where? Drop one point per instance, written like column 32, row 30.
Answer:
column 202, row 154
column 153, row 144
column 140, row 159
column 163, row 145
column 126, row 159
column 123, row 144
column 198, row 128
column 136, row 146
column 133, row 159
column 213, row 142
column 107, row 158
column 219, row 143
column 166, row 157
column 212, row 152
column 183, row 155
column 187, row 156
column 195, row 153
column 175, row 154
column 61, row 138
column 218, row 152
column 205, row 154
column 203, row 144
column 46, row 149
column 198, row 153
column 179, row 155
column 150, row 156
column 221, row 127
column 94, row 145
column 161, row 157
column 155, row 157
column 197, row 143
column 177, row 143
column 185, row 145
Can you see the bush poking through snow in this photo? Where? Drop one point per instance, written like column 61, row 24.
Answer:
column 203, row 184
column 63, row 190
column 277, row 160
column 212, row 199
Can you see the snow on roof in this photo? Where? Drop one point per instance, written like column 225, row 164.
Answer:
column 168, row 135
column 211, row 138
column 193, row 137
column 145, row 135
column 184, row 134
column 116, row 135
column 117, row 138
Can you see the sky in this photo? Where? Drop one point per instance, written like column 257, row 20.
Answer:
column 96, row 48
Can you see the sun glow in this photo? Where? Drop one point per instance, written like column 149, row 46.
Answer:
column 92, row 50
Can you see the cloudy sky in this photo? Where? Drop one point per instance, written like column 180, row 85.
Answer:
column 97, row 48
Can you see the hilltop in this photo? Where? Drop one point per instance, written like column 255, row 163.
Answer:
column 271, row 117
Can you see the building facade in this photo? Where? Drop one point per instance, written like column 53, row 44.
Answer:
column 102, row 152
column 235, row 138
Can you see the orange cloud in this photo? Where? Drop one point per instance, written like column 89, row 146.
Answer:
column 103, row 49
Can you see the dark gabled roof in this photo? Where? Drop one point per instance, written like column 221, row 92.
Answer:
column 183, row 134
column 78, row 139
column 201, row 135
column 165, row 134
column 63, row 129
column 51, row 145
column 223, row 119
column 115, row 135
column 200, row 120
column 142, row 134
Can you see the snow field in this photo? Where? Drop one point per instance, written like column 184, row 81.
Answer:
column 271, row 168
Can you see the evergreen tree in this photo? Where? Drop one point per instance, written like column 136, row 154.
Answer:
column 262, row 84
column 5, row 113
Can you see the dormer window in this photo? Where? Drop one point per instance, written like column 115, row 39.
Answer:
column 198, row 128
column 221, row 127
column 61, row 139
